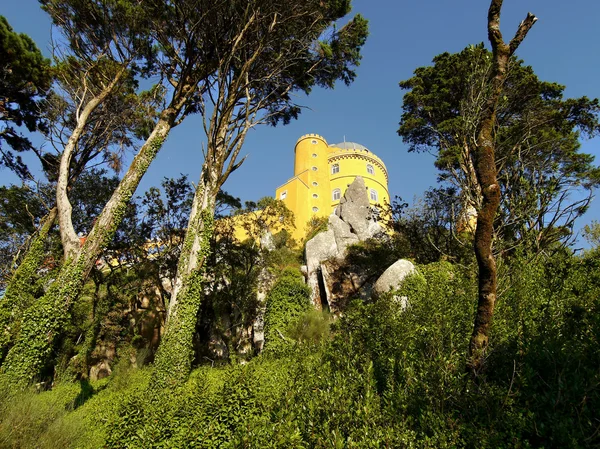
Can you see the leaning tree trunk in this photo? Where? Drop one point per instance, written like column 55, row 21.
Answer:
column 19, row 293
column 175, row 354
column 485, row 169
column 44, row 322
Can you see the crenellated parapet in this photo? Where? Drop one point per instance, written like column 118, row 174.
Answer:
column 310, row 136
column 358, row 154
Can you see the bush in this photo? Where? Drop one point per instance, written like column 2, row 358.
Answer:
column 286, row 302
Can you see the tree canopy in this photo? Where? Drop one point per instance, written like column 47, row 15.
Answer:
column 25, row 80
column 538, row 156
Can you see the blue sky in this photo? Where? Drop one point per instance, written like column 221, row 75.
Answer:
column 563, row 46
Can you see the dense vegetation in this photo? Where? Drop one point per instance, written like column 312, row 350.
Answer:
column 143, row 322
column 381, row 378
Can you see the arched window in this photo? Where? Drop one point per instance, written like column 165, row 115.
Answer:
column 335, row 168
column 370, row 169
column 315, row 195
column 374, row 196
column 314, row 169
column 336, row 194
column 315, row 209
column 315, row 183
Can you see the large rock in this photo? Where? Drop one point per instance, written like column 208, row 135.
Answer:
column 351, row 223
column 342, row 234
column 320, row 248
column 392, row 278
column 355, row 210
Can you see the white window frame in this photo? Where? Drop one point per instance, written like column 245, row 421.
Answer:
column 336, row 192
column 373, row 195
column 335, row 168
column 370, row 169
column 283, row 195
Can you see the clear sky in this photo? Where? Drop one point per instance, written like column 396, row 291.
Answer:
column 563, row 46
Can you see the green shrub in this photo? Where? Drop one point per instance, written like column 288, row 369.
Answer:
column 287, row 300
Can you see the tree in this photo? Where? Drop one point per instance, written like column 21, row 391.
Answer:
column 182, row 55
column 25, row 80
column 274, row 49
column 467, row 124
column 95, row 75
column 486, row 172
column 538, row 161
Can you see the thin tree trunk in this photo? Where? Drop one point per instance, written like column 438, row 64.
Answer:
column 19, row 295
column 485, row 168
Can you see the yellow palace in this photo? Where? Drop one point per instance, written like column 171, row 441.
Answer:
column 322, row 172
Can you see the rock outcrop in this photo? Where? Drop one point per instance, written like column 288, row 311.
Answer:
column 351, row 223
column 333, row 279
column 354, row 209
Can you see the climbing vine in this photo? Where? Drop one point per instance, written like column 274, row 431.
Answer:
column 21, row 288
column 175, row 353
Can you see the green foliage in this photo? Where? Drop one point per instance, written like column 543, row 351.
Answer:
column 22, row 288
column 591, row 232
column 312, row 327
column 387, row 376
column 287, row 301
column 314, row 226
column 25, row 79
column 536, row 148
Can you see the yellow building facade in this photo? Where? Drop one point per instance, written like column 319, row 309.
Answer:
column 322, row 172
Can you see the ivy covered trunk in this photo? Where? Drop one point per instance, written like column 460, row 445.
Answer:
column 175, row 353
column 485, row 169
column 19, row 294
column 43, row 322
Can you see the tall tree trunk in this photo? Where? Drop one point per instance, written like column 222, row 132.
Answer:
column 68, row 236
column 485, row 169
column 19, row 293
column 175, row 354
column 43, row 323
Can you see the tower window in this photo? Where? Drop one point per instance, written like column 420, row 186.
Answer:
column 282, row 195
column 315, row 209
column 314, row 155
column 314, row 169
column 314, row 141
column 335, row 168
column 374, row 196
column 336, row 194
column 315, row 195
column 315, row 183
column 370, row 169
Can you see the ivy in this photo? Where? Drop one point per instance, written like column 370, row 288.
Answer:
column 287, row 301
column 175, row 353
column 42, row 323
column 20, row 290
